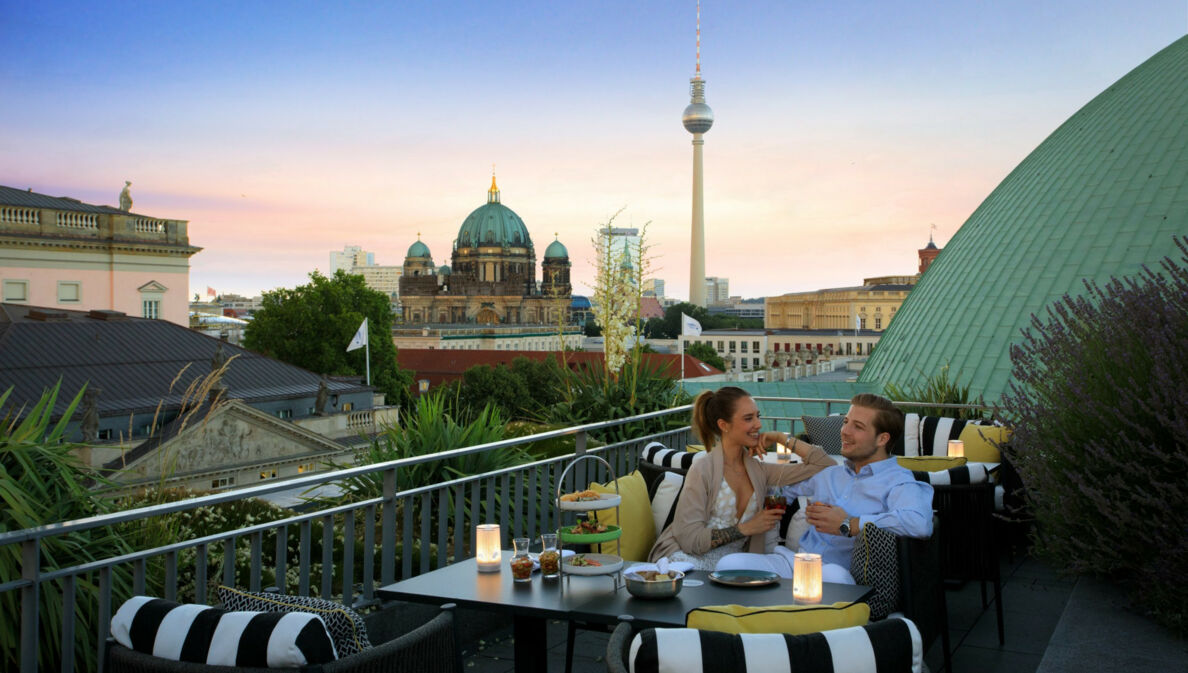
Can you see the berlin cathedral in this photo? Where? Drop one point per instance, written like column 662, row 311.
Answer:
column 492, row 278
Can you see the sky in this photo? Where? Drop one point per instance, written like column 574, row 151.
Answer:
column 284, row 130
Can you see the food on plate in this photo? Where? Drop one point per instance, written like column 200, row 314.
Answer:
column 588, row 528
column 580, row 496
column 580, row 560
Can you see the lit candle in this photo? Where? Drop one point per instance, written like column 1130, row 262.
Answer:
column 783, row 453
column 487, row 544
column 956, row 448
column 806, row 578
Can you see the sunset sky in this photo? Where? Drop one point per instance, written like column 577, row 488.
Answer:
column 285, row 130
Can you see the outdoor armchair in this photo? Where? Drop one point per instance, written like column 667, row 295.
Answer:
column 429, row 648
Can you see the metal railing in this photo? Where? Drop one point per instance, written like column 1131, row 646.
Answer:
column 417, row 528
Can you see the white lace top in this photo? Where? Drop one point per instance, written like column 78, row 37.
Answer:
column 723, row 517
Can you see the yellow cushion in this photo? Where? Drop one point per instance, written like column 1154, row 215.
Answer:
column 695, row 447
column 790, row 619
column 930, row 463
column 639, row 531
column 982, row 442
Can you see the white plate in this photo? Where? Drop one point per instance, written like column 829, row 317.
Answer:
column 610, row 564
column 604, row 501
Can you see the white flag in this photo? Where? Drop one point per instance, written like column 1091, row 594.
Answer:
column 360, row 338
column 857, row 322
column 690, row 326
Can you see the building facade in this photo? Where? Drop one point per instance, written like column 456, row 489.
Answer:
column 654, row 287
column 717, row 290
column 492, row 276
column 61, row 252
column 487, row 338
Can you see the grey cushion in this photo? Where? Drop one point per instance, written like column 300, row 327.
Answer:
column 825, row 431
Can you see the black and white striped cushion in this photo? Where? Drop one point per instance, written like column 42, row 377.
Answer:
column 972, row 473
column 206, row 635
column 935, row 433
column 345, row 625
column 658, row 454
column 889, row 645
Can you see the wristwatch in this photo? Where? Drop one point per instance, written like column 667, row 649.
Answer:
column 844, row 528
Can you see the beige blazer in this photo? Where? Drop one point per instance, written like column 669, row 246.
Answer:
column 690, row 531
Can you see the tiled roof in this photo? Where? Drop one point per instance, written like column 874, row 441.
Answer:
column 135, row 362
column 1099, row 198
column 22, row 198
column 440, row 366
column 821, row 390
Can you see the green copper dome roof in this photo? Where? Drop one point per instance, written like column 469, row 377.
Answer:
column 556, row 251
column 444, row 270
column 493, row 224
column 418, row 249
column 1100, row 197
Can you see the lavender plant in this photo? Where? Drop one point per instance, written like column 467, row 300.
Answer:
column 1100, row 402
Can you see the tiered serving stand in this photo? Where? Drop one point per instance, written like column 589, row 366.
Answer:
column 611, row 564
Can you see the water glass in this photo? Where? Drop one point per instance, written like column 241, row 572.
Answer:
column 521, row 562
column 550, row 556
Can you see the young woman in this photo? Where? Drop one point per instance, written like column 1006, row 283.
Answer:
column 721, row 507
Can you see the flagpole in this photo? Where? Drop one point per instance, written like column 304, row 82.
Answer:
column 681, row 339
column 368, row 347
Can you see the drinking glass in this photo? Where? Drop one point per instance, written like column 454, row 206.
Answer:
column 550, row 556
column 521, row 562
column 775, row 498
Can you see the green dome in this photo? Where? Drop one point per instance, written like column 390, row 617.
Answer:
column 556, row 251
column 444, row 270
column 1099, row 198
column 493, row 224
column 418, row 249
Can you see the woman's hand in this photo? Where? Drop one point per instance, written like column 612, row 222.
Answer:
column 765, row 440
column 762, row 522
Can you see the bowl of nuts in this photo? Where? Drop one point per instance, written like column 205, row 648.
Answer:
column 653, row 583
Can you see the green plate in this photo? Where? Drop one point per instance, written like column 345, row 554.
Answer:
column 612, row 533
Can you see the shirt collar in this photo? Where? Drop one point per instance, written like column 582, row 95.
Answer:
column 875, row 467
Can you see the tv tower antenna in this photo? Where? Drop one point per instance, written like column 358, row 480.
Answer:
column 697, row 119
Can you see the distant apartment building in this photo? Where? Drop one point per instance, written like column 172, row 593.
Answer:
column 653, row 287
column 60, row 252
column 739, row 308
column 355, row 260
column 717, row 290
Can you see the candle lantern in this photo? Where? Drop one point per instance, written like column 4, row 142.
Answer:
column 956, row 448
column 806, row 578
column 487, row 546
column 783, row 453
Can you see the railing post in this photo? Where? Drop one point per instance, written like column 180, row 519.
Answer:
column 579, row 449
column 30, row 598
column 388, row 533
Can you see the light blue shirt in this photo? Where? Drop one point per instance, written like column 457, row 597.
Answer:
column 882, row 493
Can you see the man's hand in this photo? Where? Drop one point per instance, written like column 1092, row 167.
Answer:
column 825, row 518
column 763, row 521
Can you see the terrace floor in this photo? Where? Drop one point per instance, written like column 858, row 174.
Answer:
column 1034, row 598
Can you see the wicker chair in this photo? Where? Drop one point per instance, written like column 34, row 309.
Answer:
column 429, row 648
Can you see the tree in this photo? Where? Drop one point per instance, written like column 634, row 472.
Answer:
column 706, row 353
column 671, row 327
column 311, row 325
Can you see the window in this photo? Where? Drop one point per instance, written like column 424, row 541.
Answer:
column 268, row 474
column 222, row 482
column 348, row 406
column 878, row 309
column 862, row 325
column 755, row 362
column 744, row 347
column 755, row 346
column 686, row 344
column 733, row 346
column 305, row 467
column 104, row 434
column 152, row 295
column 878, row 323
column 720, row 346
column 151, row 308
column 16, row 290
column 284, row 413
column 69, row 292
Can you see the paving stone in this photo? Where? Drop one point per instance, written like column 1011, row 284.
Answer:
column 988, row 660
column 1025, row 632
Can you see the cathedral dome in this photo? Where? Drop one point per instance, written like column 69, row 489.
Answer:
column 444, row 270
column 418, row 249
column 556, row 251
column 1099, row 198
column 493, row 224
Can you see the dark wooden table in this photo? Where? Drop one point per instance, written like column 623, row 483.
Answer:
column 589, row 599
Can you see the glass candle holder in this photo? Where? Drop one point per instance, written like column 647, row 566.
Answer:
column 956, row 448
column 487, row 547
column 806, row 578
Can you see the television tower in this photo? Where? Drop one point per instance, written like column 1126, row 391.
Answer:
column 697, row 118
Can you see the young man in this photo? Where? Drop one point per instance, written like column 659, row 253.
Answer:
column 869, row 487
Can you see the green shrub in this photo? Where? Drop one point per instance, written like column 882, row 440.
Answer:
column 938, row 388
column 1100, row 404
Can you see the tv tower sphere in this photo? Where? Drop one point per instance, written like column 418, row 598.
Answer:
column 697, row 117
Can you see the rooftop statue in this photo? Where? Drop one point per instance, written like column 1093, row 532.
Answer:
column 126, row 197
